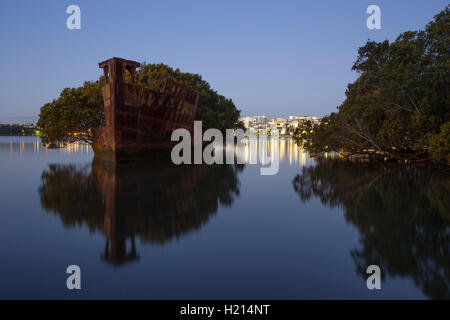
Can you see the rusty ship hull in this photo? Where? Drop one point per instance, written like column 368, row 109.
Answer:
column 139, row 121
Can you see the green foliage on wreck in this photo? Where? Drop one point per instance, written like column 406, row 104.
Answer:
column 78, row 112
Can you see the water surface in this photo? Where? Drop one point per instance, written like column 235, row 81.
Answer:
column 158, row 231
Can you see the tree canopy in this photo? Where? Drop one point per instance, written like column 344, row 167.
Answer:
column 398, row 108
column 74, row 116
column 78, row 112
column 214, row 110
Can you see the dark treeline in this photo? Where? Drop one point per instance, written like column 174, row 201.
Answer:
column 398, row 108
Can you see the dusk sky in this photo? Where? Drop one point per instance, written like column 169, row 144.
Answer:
column 273, row 58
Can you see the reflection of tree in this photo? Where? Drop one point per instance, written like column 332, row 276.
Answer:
column 152, row 200
column 402, row 215
column 70, row 192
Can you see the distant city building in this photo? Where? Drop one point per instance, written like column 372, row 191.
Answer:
column 247, row 121
column 283, row 125
column 260, row 119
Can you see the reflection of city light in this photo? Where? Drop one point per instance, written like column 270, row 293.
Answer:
column 290, row 152
column 295, row 153
column 246, row 151
column 22, row 145
column 287, row 150
column 251, row 151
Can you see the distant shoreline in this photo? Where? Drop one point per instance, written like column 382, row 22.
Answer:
column 19, row 130
column 19, row 135
column 267, row 136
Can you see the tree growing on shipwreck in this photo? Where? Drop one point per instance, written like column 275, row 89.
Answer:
column 78, row 113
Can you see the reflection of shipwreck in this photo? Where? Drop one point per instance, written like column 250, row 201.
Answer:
column 154, row 202
column 139, row 121
column 134, row 205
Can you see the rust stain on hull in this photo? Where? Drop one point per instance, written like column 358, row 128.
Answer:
column 139, row 121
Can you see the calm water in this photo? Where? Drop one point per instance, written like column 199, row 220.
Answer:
column 157, row 231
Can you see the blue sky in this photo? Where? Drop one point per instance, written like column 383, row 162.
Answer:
column 275, row 58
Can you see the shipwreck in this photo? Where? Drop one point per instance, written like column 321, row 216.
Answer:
column 139, row 121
